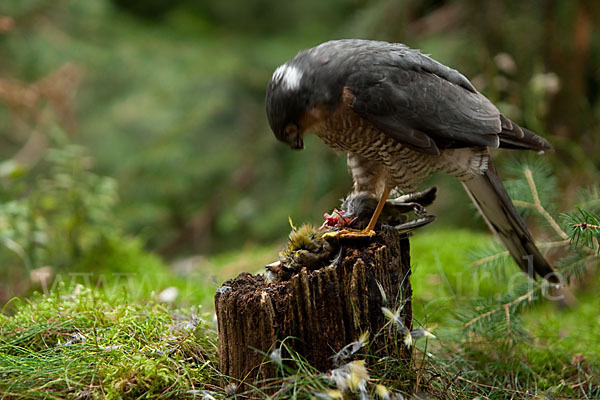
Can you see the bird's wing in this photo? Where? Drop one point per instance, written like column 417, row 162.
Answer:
column 424, row 104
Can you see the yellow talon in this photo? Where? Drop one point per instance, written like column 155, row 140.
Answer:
column 349, row 234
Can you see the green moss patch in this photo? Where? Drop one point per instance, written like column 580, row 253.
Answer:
column 84, row 345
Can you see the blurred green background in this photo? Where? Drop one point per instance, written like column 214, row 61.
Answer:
column 128, row 125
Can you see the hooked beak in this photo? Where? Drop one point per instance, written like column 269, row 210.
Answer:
column 299, row 144
column 295, row 140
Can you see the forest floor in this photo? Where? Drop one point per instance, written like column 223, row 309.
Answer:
column 132, row 339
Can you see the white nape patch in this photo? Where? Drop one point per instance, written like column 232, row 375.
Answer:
column 288, row 75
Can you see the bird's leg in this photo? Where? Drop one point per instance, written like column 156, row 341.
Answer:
column 377, row 213
column 369, row 231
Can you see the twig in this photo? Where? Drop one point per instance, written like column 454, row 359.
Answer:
column 495, row 310
column 554, row 244
column 505, row 253
column 537, row 205
column 490, row 258
column 585, row 225
column 489, row 386
column 507, row 312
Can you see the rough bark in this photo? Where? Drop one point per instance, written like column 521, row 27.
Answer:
column 317, row 312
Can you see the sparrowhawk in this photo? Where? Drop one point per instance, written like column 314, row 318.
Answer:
column 400, row 115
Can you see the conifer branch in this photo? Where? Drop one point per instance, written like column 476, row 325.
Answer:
column 491, row 258
column 585, row 225
column 502, row 307
column 585, row 230
column 537, row 205
column 582, row 232
column 505, row 253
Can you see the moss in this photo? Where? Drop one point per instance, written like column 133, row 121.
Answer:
column 84, row 344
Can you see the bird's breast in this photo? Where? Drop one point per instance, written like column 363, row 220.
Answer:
column 402, row 166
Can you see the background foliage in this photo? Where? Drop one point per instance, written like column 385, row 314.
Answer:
column 167, row 98
column 136, row 156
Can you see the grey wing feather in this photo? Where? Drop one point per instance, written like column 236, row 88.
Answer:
column 421, row 102
column 528, row 140
column 412, row 105
column 410, row 59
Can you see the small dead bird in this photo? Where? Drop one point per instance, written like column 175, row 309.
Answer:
column 306, row 248
column 309, row 247
column 394, row 213
column 358, row 208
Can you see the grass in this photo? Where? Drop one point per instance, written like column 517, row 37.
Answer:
column 85, row 345
column 80, row 342
column 558, row 351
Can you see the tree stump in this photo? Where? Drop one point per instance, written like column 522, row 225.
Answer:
column 319, row 311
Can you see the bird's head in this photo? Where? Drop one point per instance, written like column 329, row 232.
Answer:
column 297, row 96
column 287, row 101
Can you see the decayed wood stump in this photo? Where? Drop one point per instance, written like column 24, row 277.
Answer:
column 324, row 309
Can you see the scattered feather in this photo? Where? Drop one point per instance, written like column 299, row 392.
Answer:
column 350, row 349
column 421, row 333
column 394, row 317
column 352, row 376
column 330, row 394
column 408, row 339
column 168, row 295
column 382, row 392
column 275, row 357
column 207, row 395
column 384, row 299
column 76, row 338
column 231, row 389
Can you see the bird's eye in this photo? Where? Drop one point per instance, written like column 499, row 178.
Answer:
column 291, row 129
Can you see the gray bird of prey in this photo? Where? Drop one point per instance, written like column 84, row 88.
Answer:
column 400, row 115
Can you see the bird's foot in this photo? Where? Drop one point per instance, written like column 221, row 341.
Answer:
column 419, row 210
column 348, row 233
